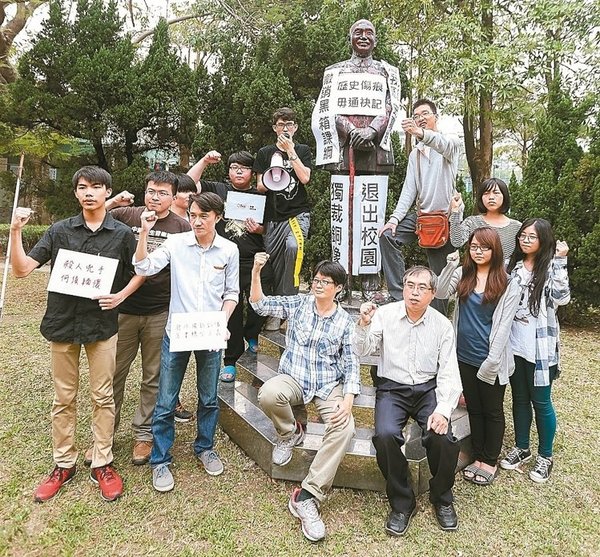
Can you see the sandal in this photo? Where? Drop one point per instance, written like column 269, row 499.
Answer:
column 228, row 374
column 488, row 477
column 470, row 469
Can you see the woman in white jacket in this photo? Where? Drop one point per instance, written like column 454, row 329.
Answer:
column 486, row 303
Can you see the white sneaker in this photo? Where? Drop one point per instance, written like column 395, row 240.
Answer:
column 211, row 462
column 162, row 479
column 284, row 448
column 307, row 511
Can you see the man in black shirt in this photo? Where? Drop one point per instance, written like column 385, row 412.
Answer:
column 143, row 316
column 287, row 214
column 71, row 321
column 247, row 235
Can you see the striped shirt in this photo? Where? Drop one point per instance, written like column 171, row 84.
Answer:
column 318, row 353
column 414, row 353
column 460, row 231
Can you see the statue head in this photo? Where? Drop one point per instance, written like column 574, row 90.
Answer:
column 363, row 38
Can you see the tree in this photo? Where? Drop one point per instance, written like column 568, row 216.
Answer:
column 9, row 29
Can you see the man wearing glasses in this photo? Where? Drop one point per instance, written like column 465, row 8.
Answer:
column 247, row 235
column 317, row 365
column 143, row 316
column 430, row 184
column 418, row 377
column 287, row 213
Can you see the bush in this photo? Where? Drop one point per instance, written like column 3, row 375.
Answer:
column 31, row 235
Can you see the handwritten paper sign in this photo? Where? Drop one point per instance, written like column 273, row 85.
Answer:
column 82, row 274
column 241, row 206
column 198, row 331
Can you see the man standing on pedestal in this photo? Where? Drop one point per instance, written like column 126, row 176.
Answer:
column 430, row 183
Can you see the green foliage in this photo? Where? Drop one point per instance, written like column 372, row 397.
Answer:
column 31, row 235
column 562, row 185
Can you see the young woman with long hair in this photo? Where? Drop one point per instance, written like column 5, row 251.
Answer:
column 493, row 202
column 486, row 303
column 539, row 267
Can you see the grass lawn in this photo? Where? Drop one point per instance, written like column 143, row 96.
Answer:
column 244, row 512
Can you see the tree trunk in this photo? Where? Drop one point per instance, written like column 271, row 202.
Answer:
column 100, row 154
column 130, row 139
column 184, row 156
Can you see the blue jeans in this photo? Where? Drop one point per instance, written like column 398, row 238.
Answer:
column 172, row 370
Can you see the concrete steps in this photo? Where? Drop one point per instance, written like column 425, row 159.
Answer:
column 246, row 424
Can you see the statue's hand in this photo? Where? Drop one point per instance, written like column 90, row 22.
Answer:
column 362, row 137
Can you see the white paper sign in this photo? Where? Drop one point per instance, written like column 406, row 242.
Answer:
column 198, row 331
column 82, row 274
column 241, row 206
column 368, row 212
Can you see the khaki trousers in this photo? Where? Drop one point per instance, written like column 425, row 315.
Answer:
column 276, row 398
column 65, row 373
column 134, row 331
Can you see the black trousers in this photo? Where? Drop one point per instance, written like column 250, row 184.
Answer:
column 394, row 404
column 250, row 327
column 485, row 404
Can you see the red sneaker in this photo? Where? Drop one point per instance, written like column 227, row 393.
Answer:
column 111, row 484
column 52, row 484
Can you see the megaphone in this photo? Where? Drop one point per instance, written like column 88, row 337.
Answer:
column 276, row 178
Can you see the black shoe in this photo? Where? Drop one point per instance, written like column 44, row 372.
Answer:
column 397, row 523
column 446, row 516
column 182, row 415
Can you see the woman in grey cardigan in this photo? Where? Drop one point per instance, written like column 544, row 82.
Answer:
column 486, row 304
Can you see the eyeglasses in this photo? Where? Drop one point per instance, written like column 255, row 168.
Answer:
column 528, row 238
column 420, row 288
column 321, row 282
column 238, row 168
column 162, row 193
column 286, row 125
column 476, row 248
column 424, row 114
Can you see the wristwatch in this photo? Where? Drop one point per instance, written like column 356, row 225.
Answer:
column 293, row 158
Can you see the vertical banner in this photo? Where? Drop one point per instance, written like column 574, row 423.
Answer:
column 370, row 196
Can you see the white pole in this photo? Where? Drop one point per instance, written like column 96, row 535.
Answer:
column 7, row 259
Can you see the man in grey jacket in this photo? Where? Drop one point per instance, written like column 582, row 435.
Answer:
column 429, row 182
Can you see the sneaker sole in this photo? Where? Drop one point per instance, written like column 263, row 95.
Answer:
column 109, row 500
column 506, row 466
column 211, row 473
column 400, row 534
column 538, row 480
column 183, row 420
column 163, row 489
column 140, row 461
column 40, row 500
column 306, row 534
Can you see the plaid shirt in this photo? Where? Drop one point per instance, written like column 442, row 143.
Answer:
column 318, row 353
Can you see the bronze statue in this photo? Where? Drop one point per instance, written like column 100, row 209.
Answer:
column 352, row 123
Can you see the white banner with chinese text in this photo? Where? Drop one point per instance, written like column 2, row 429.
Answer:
column 370, row 195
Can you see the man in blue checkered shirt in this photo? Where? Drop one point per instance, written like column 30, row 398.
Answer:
column 317, row 365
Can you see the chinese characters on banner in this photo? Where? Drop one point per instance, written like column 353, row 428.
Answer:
column 352, row 94
column 370, row 195
column 198, row 331
column 82, row 274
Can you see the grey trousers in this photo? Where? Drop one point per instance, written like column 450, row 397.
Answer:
column 393, row 263
column 282, row 247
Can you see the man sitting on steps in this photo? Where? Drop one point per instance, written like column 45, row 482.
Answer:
column 318, row 364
